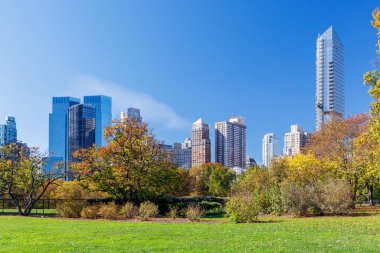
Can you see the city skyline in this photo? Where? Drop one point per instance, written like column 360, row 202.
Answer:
column 273, row 80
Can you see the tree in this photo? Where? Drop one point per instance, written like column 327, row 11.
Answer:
column 211, row 179
column 335, row 142
column 22, row 177
column 367, row 159
column 132, row 166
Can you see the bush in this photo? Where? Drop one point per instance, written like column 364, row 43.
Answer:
column 109, row 211
column 173, row 213
column 276, row 205
column 298, row 199
column 194, row 213
column 70, row 208
column 90, row 212
column 243, row 207
column 129, row 211
column 336, row 197
column 147, row 210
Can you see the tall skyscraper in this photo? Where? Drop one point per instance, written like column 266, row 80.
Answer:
column 329, row 78
column 81, row 128
column 183, row 154
column 201, row 145
column 103, row 116
column 230, row 142
column 8, row 131
column 294, row 141
column 58, row 128
column 270, row 148
column 131, row 113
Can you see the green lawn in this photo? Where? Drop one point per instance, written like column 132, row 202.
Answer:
column 322, row 234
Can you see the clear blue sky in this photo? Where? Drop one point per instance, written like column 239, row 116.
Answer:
column 179, row 60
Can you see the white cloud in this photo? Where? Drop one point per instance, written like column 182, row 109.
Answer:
column 152, row 110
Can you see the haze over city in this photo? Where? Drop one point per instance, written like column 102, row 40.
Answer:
column 180, row 61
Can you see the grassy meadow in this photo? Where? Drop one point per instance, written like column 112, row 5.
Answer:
column 313, row 234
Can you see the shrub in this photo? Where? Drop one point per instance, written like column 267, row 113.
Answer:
column 90, row 212
column 70, row 208
column 194, row 213
column 298, row 199
column 335, row 197
column 128, row 211
column 276, row 205
column 173, row 213
column 243, row 207
column 109, row 211
column 147, row 210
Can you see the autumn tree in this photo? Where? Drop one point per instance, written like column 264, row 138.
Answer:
column 211, row 179
column 336, row 142
column 22, row 177
column 132, row 166
column 367, row 160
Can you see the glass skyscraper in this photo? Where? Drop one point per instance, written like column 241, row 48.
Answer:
column 103, row 116
column 8, row 131
column 329, row 78
column 58, row 128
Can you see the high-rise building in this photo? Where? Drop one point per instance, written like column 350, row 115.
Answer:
column 294, row 141
column 59, row 128
column 270, row 148
column 329, row 78
column 200, row 143
column 8, row 131
column 250, row 162
column 131, row 113
column 183, row 154
column 81, row 128
column 103, row 116
column 230, row 142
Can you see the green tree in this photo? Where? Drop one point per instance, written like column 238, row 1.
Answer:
column 211, row 179
column 132, row 166
column 22, row 176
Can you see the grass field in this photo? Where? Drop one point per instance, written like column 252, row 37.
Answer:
column 322, row 234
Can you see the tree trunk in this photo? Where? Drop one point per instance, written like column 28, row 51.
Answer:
column 370, row 190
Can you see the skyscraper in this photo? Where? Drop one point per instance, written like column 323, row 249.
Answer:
column 270, row 148
column 8, row 131
column 329, row 78
column 58, row 128
column 183, row 154
column 132, row 113
column 81, row 128
column 294, row 141
column 201, row 145
column 103, row 116
column 230, row 142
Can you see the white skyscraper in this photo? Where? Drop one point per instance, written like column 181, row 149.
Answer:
column 294, row 141
column 329, row 100
column 270, row 148
column 230, row 142
column 183, row 154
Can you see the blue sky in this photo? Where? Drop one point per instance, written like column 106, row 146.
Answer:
column 179, row 61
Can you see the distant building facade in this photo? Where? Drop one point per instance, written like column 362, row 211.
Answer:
column 269, row 148
column 103, row 116
column 294, row 141
column 8, row 131
column 81, row 128
column 131, row 113
column 59, row 128
column 183, row 154
column 250, row 162
column 329, row 78
column 230, row 142
column 201, row 144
